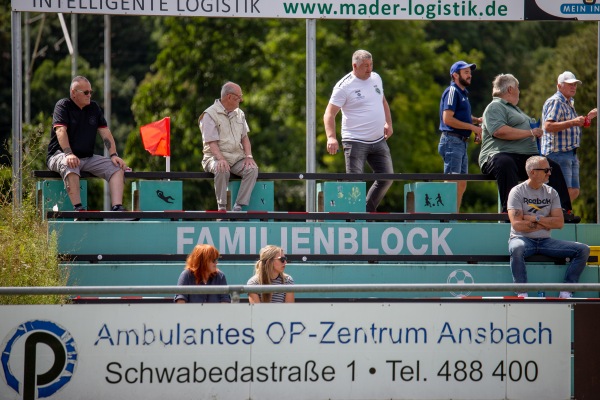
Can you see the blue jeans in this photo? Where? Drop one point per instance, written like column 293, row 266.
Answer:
column 378, row 156
column 569, row 163
column 521, row 247
column 454, row 153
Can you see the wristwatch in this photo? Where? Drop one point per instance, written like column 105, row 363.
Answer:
column 537, row 218
column 114, row 154
column 249, row 156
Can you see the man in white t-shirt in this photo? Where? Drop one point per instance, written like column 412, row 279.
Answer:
column 366, row 124
column 534, row 210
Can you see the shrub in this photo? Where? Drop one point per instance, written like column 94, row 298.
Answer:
column 28, row 253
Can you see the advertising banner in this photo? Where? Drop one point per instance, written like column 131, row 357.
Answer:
column 292, row 351
column 441, row 10
column 492, row 10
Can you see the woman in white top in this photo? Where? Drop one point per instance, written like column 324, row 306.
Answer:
column 269, row 270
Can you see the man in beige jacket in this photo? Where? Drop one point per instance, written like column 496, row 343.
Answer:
column 226, row 146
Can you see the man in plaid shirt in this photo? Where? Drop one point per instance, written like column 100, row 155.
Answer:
column 562, row 130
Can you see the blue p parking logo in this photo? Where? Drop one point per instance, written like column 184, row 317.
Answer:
column 38, row 359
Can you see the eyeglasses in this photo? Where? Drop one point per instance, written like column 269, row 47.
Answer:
column 282, row 259
column 239, row 96
column 85, row 92
column 546, row 170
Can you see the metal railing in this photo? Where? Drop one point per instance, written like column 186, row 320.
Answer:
column 312, row 258
column 236, row 290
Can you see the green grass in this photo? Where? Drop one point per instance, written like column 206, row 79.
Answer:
column 28, row 253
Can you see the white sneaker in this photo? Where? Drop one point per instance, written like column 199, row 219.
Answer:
column 522, row 295
column 565, row 295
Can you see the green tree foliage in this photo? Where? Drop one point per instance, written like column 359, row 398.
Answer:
column 193, row 57
column 507, row 47
column 577, row 53
column 51, row 82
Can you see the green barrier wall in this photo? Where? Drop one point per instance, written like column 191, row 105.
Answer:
column 422, row 238
column 173, row 237
column 239, row 273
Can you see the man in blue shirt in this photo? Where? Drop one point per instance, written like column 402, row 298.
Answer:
column 562, row 130
column 456, row 124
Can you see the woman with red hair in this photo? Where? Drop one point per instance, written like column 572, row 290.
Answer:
column 201, row 269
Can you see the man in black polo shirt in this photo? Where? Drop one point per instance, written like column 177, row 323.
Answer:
column 76, row 121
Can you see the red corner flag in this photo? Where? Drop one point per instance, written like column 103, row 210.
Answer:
column 156, row 137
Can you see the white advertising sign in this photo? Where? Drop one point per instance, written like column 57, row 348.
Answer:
column 450, row 10
column 292, row 351
column 498, row 10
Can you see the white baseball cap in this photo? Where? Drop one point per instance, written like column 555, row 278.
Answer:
column 568, row 77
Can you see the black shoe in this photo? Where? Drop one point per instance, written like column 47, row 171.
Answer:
column 224, row 211
column 571, row 218
column 119, row 207
column 80, row 208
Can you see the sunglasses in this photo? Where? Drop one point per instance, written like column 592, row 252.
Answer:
column 282, row 259
column 546, row 170
column 85, row 92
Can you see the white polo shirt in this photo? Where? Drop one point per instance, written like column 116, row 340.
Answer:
column 361, row 101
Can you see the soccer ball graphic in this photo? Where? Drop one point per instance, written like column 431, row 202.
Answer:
column 460, row 277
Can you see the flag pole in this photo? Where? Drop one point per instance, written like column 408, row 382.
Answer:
column 168, row 157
